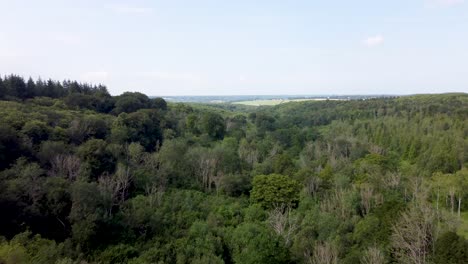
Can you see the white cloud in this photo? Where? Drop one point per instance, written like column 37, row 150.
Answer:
column 374, row 41
column 443, row 3
column 95, row 77
column 132, row 10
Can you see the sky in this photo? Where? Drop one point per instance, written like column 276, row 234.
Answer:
column 241, row 47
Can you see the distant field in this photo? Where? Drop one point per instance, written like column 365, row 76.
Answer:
column 278, row 101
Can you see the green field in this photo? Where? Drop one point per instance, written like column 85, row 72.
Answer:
column 277, row 101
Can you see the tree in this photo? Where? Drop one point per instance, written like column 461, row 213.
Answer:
column 114, row 188
column 159, row 103
column 236, row 184
column 264, row 122
column 30, row 88
column 66, row 166
column 138, row 215
column 453, row 185
column 120, row 253
column 37, row 131
column 274, row 189
column 50, row 149
column 191, row 124
column 248, row 153
column 254, row 243
column 236, row 126
column 3, row 90
column 86, row 212
column 462, row 185
column 10, row 145
column 283, row 164
column 213, row 125
column 373, row 255
column 283, row 222
column 414, row 234
column 450, row 248
column 56, row 204
column 325, row 253
column 200, row 246
column 15, row 86
column 130, row 102
column 142, row 126
column 97, row 158
column 206, row 166
column 53, row 89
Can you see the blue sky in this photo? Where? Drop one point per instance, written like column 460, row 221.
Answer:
column 215, row 47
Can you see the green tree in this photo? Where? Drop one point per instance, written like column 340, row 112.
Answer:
column 37, row 131
column 254, row 243
column 264, row 122
column 159, row 103
column 10, row 145
column 85, row 212
column 120, row 253
column 30, row 88
column 142, row 126
column 48, row 150
column 98, row 159
column 130, row 102
column 3, row 90
column 450, row 248
column 283, row 164
column 274, row 189
column 16, row 87
column 213, row 125
column 200, row 246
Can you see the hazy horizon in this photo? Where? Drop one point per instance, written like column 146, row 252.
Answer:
column 172, row 48
column 311, row 95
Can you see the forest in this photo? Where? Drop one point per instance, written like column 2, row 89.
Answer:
column 86, row 177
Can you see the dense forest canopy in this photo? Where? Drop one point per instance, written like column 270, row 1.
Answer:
column 86, row 177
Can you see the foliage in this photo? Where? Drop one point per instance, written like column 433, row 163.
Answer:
column 86, row 177
column 274, row 189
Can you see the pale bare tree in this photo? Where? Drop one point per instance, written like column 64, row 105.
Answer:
column 109, row 191
column 159, row 170
column 151, row 161
column 420, row 190
column 206, row 170
column 283, row 222
column 367, row 197
column 307, row 155
column 123, row 178
column 413, row 235
column 373, row 255
column 324, row 253
column 274, row 150
column 65, row 165
column 217, row 180
column 391, row 180
column 338, row 202
column 114, row 188
column 313, row 185
column 155, row 193
column 376, row 149
column 248, row 153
